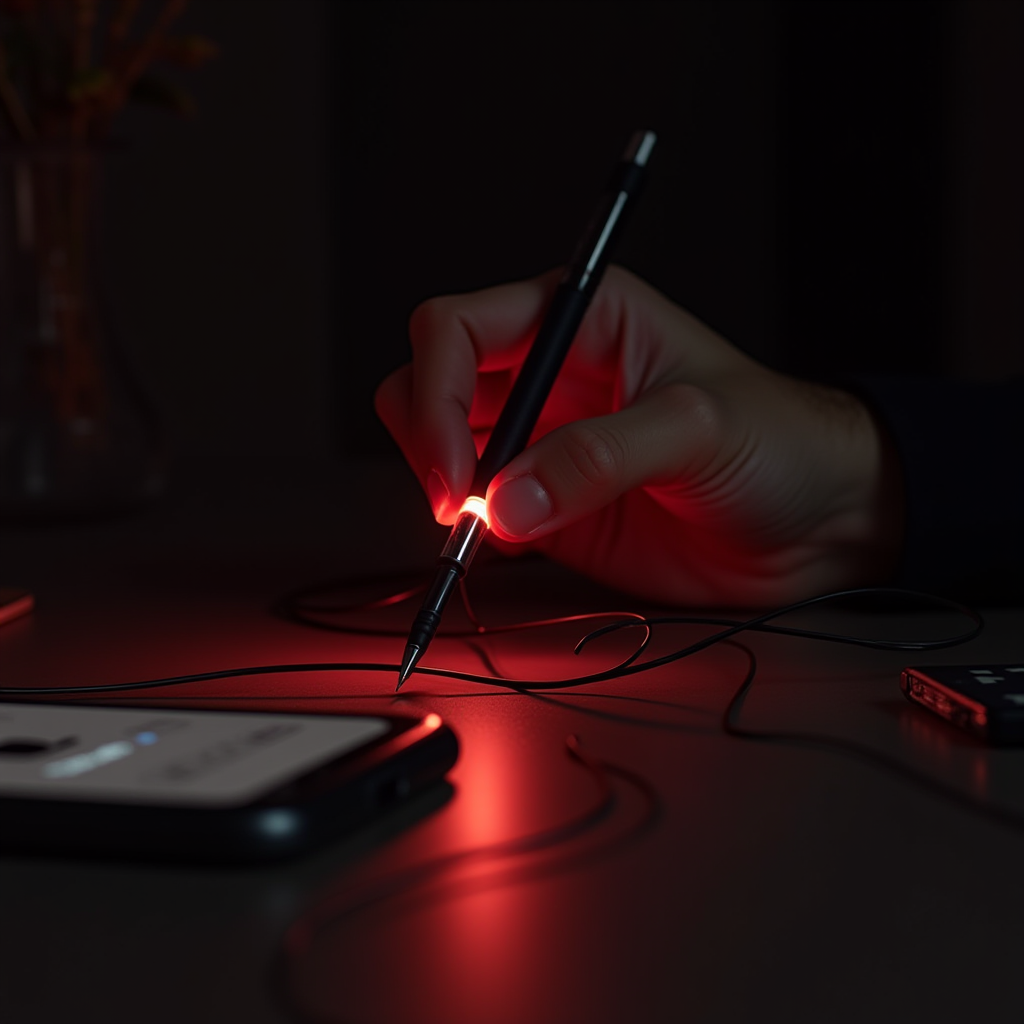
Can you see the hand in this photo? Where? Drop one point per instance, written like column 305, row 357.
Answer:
column 666, row 462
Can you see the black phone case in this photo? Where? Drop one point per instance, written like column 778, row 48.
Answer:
column 987, row 700
column 323, row 804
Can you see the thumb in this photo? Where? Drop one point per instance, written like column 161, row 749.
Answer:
column 668, row 435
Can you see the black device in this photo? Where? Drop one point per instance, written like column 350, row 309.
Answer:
column 986, row 700
column 209, row 786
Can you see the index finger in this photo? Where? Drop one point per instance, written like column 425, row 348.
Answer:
column 454, row 338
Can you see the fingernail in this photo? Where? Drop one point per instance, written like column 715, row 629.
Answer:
column 436, row 492
column 521, row 506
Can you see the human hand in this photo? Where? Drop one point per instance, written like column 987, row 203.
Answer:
column 666, row 462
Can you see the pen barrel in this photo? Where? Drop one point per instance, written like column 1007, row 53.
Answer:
column 530, row 390
column 454, row 560
column 424, row 626
column 582, row 275
column 586, row 268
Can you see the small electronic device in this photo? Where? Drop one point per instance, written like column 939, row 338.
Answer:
column 203, row 785
column 987, row 700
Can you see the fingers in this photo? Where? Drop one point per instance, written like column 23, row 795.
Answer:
column 674, row 433
column 466, row 349
column 427, row 405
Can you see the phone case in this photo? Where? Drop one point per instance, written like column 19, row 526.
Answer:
column 321, row 804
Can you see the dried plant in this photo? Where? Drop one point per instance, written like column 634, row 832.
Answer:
column 68, row 66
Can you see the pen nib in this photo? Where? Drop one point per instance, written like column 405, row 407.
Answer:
column 409, row 659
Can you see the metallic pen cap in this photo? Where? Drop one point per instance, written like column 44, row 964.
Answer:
column 640, row 148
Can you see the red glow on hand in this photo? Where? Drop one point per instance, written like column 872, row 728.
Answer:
column 478, row 507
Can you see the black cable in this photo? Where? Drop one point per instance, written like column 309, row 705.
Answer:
column 630, row 666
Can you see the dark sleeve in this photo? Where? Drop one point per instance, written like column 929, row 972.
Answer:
column 961, row 446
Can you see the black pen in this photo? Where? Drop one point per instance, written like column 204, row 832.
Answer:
column 531, row 388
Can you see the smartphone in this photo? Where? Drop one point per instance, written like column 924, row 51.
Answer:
column 209, row 786
column 987, row 700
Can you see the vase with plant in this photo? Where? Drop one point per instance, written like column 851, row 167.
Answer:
column 76, row 436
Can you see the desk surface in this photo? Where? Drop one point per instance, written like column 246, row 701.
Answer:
column 730, row 881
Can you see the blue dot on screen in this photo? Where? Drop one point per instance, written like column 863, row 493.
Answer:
column 146, row 739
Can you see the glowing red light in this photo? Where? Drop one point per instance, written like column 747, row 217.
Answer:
column 432, row 721
column 478, row 507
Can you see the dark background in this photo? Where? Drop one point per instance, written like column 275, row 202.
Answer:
column 837, row 189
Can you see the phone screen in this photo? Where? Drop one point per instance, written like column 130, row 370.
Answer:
column 181, row 758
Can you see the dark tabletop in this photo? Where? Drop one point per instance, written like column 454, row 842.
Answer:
column 729, row 880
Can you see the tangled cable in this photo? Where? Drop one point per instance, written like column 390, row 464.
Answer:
column 631, row 665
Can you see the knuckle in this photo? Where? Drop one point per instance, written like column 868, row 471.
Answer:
column 381, row 398
column 431, row 319
column 695, row 408
column 595, row 454
column 617, row 276
column 388, row 394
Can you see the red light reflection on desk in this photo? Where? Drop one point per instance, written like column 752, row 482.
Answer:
column 491, row 808
column 932, row 738
column 462, row 937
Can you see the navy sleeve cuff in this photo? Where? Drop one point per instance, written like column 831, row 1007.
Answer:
column 961, row 448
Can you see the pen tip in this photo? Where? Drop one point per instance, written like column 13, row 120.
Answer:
column 409, row 659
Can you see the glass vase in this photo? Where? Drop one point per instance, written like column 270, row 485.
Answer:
column 77, row 437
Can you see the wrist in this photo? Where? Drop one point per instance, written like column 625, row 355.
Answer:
column 865, row 533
